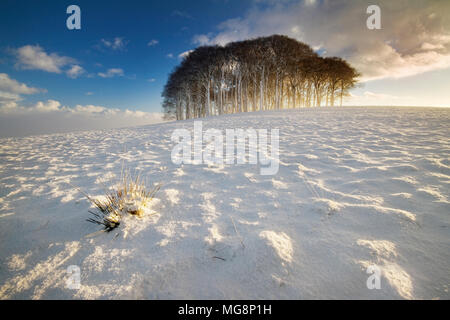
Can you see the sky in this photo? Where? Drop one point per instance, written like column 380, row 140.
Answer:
column 111, row 72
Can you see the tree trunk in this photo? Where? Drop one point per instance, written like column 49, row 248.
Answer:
column 261, row 91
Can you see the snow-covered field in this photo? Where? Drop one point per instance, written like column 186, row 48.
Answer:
column 356, row 187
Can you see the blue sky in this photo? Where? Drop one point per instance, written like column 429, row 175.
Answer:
column 172, row 23
column 111, row 72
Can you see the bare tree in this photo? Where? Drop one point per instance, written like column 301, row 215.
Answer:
column 266, row 73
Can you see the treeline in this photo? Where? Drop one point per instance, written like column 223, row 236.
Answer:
column 266, row 73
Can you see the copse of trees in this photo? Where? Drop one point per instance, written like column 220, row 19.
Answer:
column 266, row 73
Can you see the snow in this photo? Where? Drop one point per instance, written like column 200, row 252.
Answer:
column 356, row 187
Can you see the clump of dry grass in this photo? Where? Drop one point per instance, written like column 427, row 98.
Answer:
column 129, row 196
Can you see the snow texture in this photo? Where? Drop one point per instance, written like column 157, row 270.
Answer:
column 356, row 187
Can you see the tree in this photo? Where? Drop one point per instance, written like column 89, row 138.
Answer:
column 259, row 74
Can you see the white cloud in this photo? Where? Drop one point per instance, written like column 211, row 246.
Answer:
column 117, row 43
column 170, row 55
column 9, row 97
column 202, row 39
column 415, row 37
column 31, row 57
column 113, row 72
column 50, row 105
column 75, row 71
column 152, row 43
column 35, row 58
column 89, row 109
column 151, row 80
column 39, row 107
column 428, row 46
column 13, row 86
column 11, row 92
column 185, row 54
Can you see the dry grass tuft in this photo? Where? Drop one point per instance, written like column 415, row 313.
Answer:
column 129, row 196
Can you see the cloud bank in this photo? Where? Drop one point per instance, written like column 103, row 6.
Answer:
column 11, row 92
column 51, row 116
